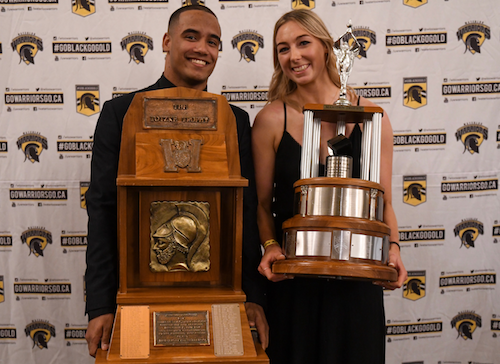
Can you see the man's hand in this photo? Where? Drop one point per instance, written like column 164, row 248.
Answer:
column 396, row 262
column 257, row 318
column 272, row 254
column 99, row 331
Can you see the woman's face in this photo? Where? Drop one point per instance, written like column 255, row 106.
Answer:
column 301, row 55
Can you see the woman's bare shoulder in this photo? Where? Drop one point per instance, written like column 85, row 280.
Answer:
column 271, row 116
column 366, row 102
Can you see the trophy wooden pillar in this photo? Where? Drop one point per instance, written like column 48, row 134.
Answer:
column 180, row 216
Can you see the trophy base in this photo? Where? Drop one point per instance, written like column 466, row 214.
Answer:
column 336, row 269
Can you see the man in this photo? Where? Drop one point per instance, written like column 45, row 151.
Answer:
column 192, row 46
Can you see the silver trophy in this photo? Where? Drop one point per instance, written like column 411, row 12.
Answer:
column 338, row 227
column 345, row 49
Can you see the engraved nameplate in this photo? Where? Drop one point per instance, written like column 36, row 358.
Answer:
column 179, row 328
column 228, row 337
column 174, row 114
column 134, row 343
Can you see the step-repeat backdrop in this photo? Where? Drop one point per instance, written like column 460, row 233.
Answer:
column 433, row 65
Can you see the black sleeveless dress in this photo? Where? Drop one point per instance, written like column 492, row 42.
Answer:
column 316, row 320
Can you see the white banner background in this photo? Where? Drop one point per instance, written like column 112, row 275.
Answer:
column 419, row 317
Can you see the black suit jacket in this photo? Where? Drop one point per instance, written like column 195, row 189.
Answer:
column 101, row 276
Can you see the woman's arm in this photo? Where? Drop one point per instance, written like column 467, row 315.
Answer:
column 386, row 154
column 266, row 135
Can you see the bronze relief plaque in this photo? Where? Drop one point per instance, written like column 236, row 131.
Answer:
column 173, row 114
column 179, row 236
column 175, row 328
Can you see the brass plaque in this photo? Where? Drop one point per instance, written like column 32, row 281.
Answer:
column 134, row 343
column 176, row 328
column 226, row 323
column 179, row 236
column 181, row 113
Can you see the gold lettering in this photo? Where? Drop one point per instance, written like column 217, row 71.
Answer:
column 163, row 119
column 202, row 120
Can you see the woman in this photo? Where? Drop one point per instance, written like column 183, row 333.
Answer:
column 312, row 320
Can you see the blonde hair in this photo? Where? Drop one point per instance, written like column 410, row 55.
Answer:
column 281, row 86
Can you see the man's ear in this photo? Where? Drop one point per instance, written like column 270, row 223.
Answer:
column 166, row 42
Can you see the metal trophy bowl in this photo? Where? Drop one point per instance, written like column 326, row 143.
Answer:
column 337, row 229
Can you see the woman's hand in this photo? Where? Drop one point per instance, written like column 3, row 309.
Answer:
column 272, row 254
column 396, row 262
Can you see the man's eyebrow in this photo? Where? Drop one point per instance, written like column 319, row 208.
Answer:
column 215, row 36
column 197, row 32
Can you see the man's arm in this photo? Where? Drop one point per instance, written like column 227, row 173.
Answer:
column 101, row 273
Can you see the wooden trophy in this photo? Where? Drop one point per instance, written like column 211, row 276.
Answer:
column 180, row 216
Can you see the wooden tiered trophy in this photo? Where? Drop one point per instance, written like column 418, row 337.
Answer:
column 180, row 216
column 338, row 228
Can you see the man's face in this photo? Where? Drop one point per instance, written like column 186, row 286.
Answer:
column 192, row 47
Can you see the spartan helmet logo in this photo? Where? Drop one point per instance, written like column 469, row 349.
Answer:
column 468, row 237
column 248, row 51
column 175, row 242
column 365, row 44
column 137, row 53
column 414, row 286
column 137, row 45
column 32, row 145
column 84, row 186
column 465, row 330
column 473, row 43
column 303, row 4
column 87, row 99
column 365, row 38
column 415, row 92
column 32, row 151
column 472, row 136
column 36, row 239
column 466, row 323
column 27, row 46
column 473, row 35
column 40, row 332
column 414, row 190
column 471, row 143
column 27, row 54
column 36, row 246
column 83, row 7
column 248, row 43
column 468, row 231
column 414, row 3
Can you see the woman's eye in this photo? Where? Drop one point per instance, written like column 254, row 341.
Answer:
column 282, row 50
column 304, row 42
